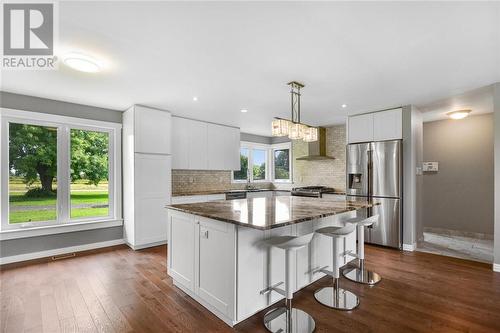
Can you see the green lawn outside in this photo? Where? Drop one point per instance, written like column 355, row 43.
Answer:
column 96, row 197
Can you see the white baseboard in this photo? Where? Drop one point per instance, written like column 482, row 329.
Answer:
column 496, row 268
column 56, row 252
column 409, row 247
column 146, row 245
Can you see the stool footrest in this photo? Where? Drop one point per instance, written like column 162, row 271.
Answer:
column 349, row 253
column 275, row 288
column 323, row 270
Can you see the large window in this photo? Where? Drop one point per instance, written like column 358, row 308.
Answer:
column 57, row 170
column 264, row 163
column 281, row 164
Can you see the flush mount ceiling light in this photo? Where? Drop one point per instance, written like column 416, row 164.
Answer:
column 344, row 106
column 294, row 129
column 244, row 110
column 460, row 114
column 195, row 98
column 81, row 62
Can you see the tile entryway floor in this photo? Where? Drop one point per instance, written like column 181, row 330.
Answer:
column 458, row 247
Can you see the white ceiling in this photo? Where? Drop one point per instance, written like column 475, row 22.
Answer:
column 235, row 55
column 480, row 101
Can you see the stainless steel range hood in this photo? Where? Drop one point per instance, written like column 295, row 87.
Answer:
column 317, row 149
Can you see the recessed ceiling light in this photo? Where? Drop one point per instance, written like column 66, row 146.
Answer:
column 244, row 110
column 344, row 105
column 195, row 98
column 81, row 62
column 460, row 114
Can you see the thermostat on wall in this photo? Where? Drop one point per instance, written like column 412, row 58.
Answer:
column 430, row 166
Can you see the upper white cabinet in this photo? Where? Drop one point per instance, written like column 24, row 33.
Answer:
column 223, row 147
column 361, row 128
column 152, row 130
column 388, row 125
column 376, row 126
column 199, row 145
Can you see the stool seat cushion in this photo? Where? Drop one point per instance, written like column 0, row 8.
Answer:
column 337, row 231
column 364, row 221
column 289, row 242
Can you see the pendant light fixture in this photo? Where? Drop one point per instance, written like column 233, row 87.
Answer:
column 294, row 129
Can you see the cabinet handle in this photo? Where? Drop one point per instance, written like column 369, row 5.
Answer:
column 205, row 234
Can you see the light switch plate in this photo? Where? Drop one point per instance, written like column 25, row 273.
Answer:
column 430, row 166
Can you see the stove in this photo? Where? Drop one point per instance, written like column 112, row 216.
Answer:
column 312, row 191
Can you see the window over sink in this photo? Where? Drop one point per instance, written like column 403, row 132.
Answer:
column 264, row 163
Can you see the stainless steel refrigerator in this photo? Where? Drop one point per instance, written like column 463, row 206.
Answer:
column 374, row 171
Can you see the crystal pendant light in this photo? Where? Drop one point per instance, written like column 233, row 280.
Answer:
column 311, row 134
column 294, row 129
column 280, row 127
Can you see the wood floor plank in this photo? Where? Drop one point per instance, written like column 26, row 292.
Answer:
column 120, row 290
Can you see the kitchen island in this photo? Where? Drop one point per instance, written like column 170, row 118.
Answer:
column 216, row 255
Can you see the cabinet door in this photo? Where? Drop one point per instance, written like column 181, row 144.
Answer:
column 181, row 248
column 233, row 149
column 360, row 128
column 198, row 145
column 152, row 130
column 217, row 147
column 180, row 143
column 152, row 193
column 216, row 253
column 388, row 125
column 223, row 147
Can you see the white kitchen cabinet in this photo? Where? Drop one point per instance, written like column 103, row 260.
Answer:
column 360, row 128
column 230, row 265
column 197, row 150
column 388, row 125
column 199, row 145
column 180, row 143
column 146, row 175
column 376, row 126
column 223, row 148
column 216, row 258
column 152, row 130
column 181, row 251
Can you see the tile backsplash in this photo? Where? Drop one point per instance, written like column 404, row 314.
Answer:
column 186, row 181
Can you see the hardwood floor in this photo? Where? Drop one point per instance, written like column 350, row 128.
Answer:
column 119, row 290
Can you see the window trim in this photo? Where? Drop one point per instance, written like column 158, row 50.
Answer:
column 64, row 125
column 269, row 148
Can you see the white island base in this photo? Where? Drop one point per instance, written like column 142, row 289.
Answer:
column 224, row 267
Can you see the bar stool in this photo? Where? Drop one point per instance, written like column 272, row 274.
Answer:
column 336, row 297
column 287, row 319
column 360, row 274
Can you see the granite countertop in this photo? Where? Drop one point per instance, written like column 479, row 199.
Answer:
column 273, row 212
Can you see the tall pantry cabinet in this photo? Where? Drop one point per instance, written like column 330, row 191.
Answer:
column 146, row 175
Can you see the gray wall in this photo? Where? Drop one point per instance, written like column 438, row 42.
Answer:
column 36, row 104
column 496, row 106
column 460, row 195
column 50, row 242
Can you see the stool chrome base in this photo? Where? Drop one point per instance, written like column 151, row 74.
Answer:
column 289, row 321
column 337, row 298
column 362, row 276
